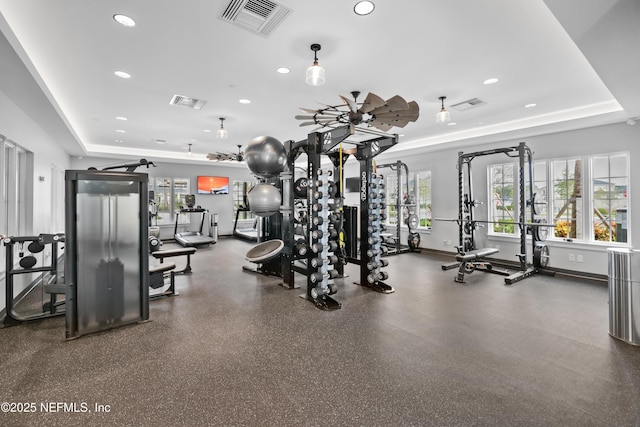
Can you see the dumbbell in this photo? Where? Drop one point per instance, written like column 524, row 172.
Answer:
column 317, row 277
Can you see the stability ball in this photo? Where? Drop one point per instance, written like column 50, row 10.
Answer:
column 265, row 156
column 264, row 200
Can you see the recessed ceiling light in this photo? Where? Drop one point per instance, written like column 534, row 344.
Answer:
column 490, row 81
column 119, row 140
column 193, row 140
column 208, row 130
column 244, row 101
column 121, row 118
column 122, row 74
column 121, row 131
column 451, row 124
column 284, row 70
column 124, row 20
column 160, row 141
column 530, row 105
column 364, row 7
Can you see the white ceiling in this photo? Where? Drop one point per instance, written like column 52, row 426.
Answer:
column 576, row 59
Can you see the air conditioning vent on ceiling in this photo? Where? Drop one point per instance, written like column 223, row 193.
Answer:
column 467, row 105
column 258, row 16
column 185, row 101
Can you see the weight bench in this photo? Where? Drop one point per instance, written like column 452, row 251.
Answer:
column 168, row 253
column 157, row 276
column 471, row 260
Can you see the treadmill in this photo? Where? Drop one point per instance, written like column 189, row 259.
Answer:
column 192, row 238
column 250, row 234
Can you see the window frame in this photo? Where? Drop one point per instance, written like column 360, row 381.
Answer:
column 491, row 229
column 174, row 199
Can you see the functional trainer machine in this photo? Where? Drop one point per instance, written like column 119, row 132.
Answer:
column 469, row 257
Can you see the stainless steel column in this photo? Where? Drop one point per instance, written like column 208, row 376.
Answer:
column 624, row 294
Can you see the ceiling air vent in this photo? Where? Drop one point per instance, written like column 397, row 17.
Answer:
column 258, row 16
column 467, row 105
column 185, row 101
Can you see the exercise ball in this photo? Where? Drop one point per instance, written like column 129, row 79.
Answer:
column 264, row 200
column 265, row 156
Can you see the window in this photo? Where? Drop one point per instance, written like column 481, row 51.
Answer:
column 609, row 197
column 391, row 188
column 57, row 199
column 423, row 183
column 15, row 187
column 169, row 197
column 240, row 191
column 567, row 205
column 502, row 196
column 416, row 194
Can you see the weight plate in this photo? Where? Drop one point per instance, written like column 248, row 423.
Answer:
column 414, row 241
column 413, row 221
column 539, row 204
column 540, row 233
column 541, row 256
column 300, row 187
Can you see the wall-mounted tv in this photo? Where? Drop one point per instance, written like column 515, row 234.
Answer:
column 213, row 185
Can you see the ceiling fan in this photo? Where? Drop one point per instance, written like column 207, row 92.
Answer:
column 373, row 111
column 239, row 156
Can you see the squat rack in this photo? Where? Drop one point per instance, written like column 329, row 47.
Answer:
column 467, row 223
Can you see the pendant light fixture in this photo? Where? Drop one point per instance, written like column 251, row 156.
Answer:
column 189, row 153
column 315, row 73
column 222, row 132
column 443, row 116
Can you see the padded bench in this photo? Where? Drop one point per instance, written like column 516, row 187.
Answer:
column 472, row 259
column 476, row 254
column 156, row 279
column 168, row 253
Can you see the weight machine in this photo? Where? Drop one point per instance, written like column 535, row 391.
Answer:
column 28, row 264
column 469, row 257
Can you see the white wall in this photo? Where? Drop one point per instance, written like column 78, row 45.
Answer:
column 442, row 163
column 17, row 126
column 222, row 204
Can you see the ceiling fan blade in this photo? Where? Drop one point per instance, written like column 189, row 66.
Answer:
column 410, row 114
column 315, row 117
column 352, row 105
column 391, row 104
column 371, row 102
column 309, row 110
column 384, row 127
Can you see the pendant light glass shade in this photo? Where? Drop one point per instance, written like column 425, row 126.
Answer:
column 315, row 73
column 222, row 132
column 189, row 153
column 443, row 116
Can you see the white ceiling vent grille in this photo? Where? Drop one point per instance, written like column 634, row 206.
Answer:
column 258, row 16
column 468, row 104
column 185, row 101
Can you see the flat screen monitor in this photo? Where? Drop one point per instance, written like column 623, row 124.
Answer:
column 352, row 185
column 213, row 185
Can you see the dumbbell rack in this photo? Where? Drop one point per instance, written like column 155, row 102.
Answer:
column 319, row 249
column 322, row 236
column 376, row 215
